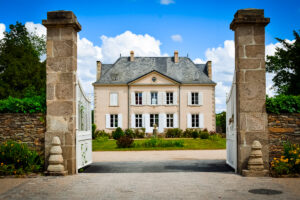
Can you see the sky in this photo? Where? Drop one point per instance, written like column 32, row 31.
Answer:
column 197, row 29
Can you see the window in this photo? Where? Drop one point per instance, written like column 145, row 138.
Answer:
column 113, row 121
column 170, row 120
column 113, row 99
column 169, row 96
column 138, row 121
column 195, row 121
column 153, row 98
column 153, row 120
column 138, row 98
column 195, row 98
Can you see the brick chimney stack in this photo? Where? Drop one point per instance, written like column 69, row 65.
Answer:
column 176, row 59
column 131, row 56
column 209, row 69
column 99, row 64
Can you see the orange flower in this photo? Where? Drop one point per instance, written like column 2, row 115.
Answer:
column 15, row 172
column 2, row 164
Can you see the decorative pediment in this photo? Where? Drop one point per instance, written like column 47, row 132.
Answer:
column 153, row 78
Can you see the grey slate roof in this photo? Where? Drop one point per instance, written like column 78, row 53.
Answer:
column 124, row 71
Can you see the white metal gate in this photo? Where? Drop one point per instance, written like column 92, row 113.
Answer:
column 83, row 128
column 231, row 136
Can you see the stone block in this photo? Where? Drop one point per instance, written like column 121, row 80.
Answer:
column 240, row 51
column 49, row 48
column 251, row 90
column 245, row 35
column 70, row 138
column 60, row 108
column 255, row 76
column 69, row 152
column 64, row 91
column 53, row 33
column 255, row 51
column 68, row 33
column 71, row 166
column 259, row 34
column 60, row 64
column 253, row 105
column 63, row 48
column 57, row 123
column 67, row 78
column 281, row 130
column 50, row 91
column 256, row 122
column 246, row 63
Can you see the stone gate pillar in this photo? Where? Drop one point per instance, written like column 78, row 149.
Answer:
column 249, row 27
column 62, row 28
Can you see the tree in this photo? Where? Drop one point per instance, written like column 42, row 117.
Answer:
column 21, row 71
column 221, row 122
column 286, row 66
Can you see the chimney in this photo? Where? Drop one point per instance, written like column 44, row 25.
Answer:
column 209, row 69
column 176, row 59
column 131, row 56
column 99, row 64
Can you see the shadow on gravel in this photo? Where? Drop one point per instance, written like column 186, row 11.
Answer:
column 160, row 167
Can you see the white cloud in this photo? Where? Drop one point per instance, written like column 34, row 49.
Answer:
column 166, row 2
column 199, row 61
column 38, row 29
column 2, row 29
column 176, row 38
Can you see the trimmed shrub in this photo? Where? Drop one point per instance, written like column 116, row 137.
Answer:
column 129, row 132
column 188, row 133
column 139, row 133
column 101, row 133
column 16, row 159
column 125, row 141
column 34, row 104
column 174, row 133
column 117, row 133
column 195, row 134
column 156, row 142
column 204, row 134
column 283, row 104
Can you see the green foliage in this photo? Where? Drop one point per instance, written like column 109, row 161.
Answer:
column 20, row 67
column 289, row 162
column 101, row 133
column 139, row 133
column 188, row 133
column 94, row 127
column 221, row 122
column 116, row 134
column 286, row 66
column 174, row 133
column 17, row 158
column 101, row 139
column 195, row 134
column 34, row 104
column 215, row 137
column 129, row 132
column 156, row 142
column 283, row 104
column 125, row 141
column 204, row 134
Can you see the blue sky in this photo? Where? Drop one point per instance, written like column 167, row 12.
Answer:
column 196, row 28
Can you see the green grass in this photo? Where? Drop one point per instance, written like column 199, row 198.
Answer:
column 189, row 144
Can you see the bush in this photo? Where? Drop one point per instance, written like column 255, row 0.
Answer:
column 188, row 133
column 101, row 133
column 116, row 134
column 17, row 158
column 283, row 104
column 129, row 132
column 204, row 134
column 195, row 134
column 221, row 122
column 156, row 142
column 174, row 133
column 34, row 104
column 289, row 162
column 101, row 139
column 125, row 141
column 139, row 133
column 215, row 137
column 93, row 131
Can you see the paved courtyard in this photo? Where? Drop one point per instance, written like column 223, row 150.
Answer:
column 152, row 175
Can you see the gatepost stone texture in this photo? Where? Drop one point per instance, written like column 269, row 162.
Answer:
column 62, row 28
column 249, row 27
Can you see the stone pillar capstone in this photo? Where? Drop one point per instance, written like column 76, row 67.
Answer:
column 56, row 161
column 255, row 163
column 249, row 27
column 61, row 67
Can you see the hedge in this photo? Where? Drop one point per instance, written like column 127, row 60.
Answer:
column 34, row 104
column 283, row 104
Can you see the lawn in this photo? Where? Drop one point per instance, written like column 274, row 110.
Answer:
column 189, row 144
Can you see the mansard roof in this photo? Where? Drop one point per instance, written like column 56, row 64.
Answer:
column 124, row 71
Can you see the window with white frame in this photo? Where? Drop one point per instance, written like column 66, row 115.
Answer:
column 113, row 99
column 195, row 98
column 139, row 121
column 195, row 121
column 138, row 98
column 154, row 120
column 170, row 120
column 170, row 98
column 154, row 98
column 113, row 121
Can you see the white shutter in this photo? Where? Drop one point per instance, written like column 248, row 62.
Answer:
column 200, row 98
column 189, row 98
column 147, row 123
column 201, row 120
column 113, row 99
column 107, row 121
column 164, row 98
column 132, row 98
column 120, row 120
column 132, row 120
column 144, row 98
column 189, row 120
column 143, row 121
column 148, row 98
column 162, row 122
column 175, row 120
column 175, row 98
column 159, row 98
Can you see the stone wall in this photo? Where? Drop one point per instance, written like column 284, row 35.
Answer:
column 282, row 127
column 28, row 128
